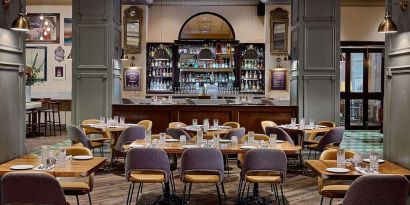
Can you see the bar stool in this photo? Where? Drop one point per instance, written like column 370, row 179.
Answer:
column 30, row 123
column 45, row 113
column 54, row 107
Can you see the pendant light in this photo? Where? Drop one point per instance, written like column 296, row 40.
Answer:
column 388, row 25
column 205, row 54
column 21, row 23
column 161, row 53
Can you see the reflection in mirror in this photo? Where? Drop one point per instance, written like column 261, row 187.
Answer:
column 206, row 26
column 279, row 24
column 132, row 30
column 133, row 38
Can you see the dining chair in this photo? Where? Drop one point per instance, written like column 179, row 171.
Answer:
column 333, row 188
column 147, row 165
column 147, row 124
column 176, row 125
column 238, row 132
column 280, row 134
column 105, row 135
column 194, row 169
column 267, row 123
column 72, row 187
column 232, row 124
column 31, row 188
column 128, row 136
column 78, row 137
column 177, row 132
column 263, row 166
column 378, row 190
column 127, row 101
column 311, row 138
column 333, row 136
column 267, row 101
column 244, row 139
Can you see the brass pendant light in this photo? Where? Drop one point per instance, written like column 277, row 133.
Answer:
column 205, row 54
column 388, row 25
column 21, row 23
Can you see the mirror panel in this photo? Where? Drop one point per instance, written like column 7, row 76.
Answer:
column 279, row 23
column 132, row 30
column 206, row 26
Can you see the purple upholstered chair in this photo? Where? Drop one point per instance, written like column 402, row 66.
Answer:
column 76, row 135
column 127, row 136
column 147, row 165
column 238, row 132
column 177, row 132
column 202, row 165
column 333, row 136
column 281, row 134
column 378, row 190
column 263, row 166
column 31, row 188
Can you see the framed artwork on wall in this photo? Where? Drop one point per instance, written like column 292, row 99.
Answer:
column 68, row 31
column 59, row 73
column 279, row 79
column 44, row 28
column 132, row 79
column 36, row 59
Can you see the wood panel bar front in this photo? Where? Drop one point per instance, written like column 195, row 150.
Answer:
column 249, row 116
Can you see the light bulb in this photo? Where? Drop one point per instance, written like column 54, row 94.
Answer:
column 46, row 23
column 41, row 17
column 45, row 33
column 41, row 38
column 48, row 29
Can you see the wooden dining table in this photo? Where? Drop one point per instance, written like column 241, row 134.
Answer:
column 319, row 167
column 72, row 167
column 300, row 133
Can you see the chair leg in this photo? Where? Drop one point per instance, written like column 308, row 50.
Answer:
column 330, row 202
column 101, row 151
column 78, row 201
column 138, row 192
column 173, row 184
column 183, row 194
column 189, row 192
column 247, row 193
column 89, row 198
column 309, row 154
column 281, row 190
column 321, row 200
column 239, row 189
column 129, row 193
column 223, row 190
column 219, row 194
column 275, row 187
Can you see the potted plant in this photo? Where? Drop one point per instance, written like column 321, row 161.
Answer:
column 32, row 72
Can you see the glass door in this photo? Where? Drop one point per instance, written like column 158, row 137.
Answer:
column 361, row 88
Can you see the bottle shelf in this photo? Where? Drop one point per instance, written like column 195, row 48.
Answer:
column 251, row 69
column 160, row 91
column 252, row 91
column 207, row 82
column 159, row 76
column 206, row 70
column 250, row 79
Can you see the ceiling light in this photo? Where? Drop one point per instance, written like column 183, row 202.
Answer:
column 388, row 25
column 205, row 54
column 21, row 23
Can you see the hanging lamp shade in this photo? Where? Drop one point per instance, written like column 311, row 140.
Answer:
column 205, row 54
column 20, row 24
column 387, row 25
column 250, row 53
column 161, row 53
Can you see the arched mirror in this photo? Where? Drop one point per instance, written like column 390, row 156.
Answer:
column 206, row 25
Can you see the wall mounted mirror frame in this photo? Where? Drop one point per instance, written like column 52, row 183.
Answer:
column 279, row 24
column 132, row 21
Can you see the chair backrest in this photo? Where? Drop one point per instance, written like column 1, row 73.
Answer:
column 77, row 136
column 158, row 136
column 189, row 101
column 265, row 160
column 281, row 134
column 147, row 159
column 31, row 188
column 331, row 154
column 268, row 123
column 202, row 160
column 335, row 135
column 146, row 123
column 378, row 190
column 266, row 101
column 238, row 132
column 177, row 132
column 129, row 135
column 75, row 151
column 256, row 137
column 176, row 125
column 89, row 130
column 232, row 124
column 327, row 123
column 127, row 101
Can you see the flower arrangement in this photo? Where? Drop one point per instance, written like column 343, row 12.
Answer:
column 32, row 72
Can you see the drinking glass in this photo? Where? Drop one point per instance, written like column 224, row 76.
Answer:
column 45, row 149
column 170, row 99
column 115, row 123
column 340, row 158
column 251, row 138
column 122, row 121
column 302, row 123
column 102, row 121
column 216, row 122
column 357, row 159
column 162, row 138
column 272, row 139
column 206, row 124
column 61, row 158
column 194, row 122
column 311, row 123
column 199, row 137
column 148, row 137
column 215, row 141
column 182, row 139
column 234, row 141
column 109, row 122
column 374, row 161
column 292, row 122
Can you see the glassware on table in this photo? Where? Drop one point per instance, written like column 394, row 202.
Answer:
column 122, row 122
column 293, row 122
column 116, row 119
column 216, row 123
column 206, row 125
column 194, row 122
column 311, row 123
column 215, row 141
column 302, row 123
column 357, row 160
column 102, row 121
column 199, row 137
column 162, row 137
column 154, row 143
column 148, row 137
column 61, row 158
column 182, row 140
column 251, row 138
column 234, row 140
column 170, row 99
column 374, row 161
column 45, row 149
column 272, row 139
column 340, row 160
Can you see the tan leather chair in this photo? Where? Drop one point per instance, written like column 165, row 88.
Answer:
column 311, row 137
column 267, row 123
column 332, row 188
column 88, row 131
column 146, row 123
column 176, row 125
column 76, row 188
column 232, row 124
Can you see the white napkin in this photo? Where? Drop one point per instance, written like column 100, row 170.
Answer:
column 363, row 171
column 43, row 168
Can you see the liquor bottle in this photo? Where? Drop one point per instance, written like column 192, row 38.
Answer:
column 257, row 86
column 242, row 85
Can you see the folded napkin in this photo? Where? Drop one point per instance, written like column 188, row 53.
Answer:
column 42, row 167
column 363, row 171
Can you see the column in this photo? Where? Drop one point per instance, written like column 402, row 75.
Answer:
column 96, row 53
column 315, row 47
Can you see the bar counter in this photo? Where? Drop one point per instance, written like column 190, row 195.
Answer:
column 249, row 116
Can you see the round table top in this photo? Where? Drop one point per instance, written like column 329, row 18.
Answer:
column 211, row 130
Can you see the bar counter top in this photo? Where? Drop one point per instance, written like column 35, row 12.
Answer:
column 248, row 115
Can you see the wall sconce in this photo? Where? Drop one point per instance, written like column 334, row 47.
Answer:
column 20, row 23
column 124, row 56
column 132, row 64
column 70, row 56
column 388, row 25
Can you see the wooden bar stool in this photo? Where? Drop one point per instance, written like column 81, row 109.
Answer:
column 45, row 113
column 54, row 107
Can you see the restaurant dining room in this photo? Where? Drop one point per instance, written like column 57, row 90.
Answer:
column 177, row 102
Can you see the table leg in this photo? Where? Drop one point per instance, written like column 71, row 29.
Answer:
column 167, row 198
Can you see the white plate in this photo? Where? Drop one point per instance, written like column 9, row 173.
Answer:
column 337, row 170
column 280, row 141
column 248, row 147
column 224, row 141
column 368, row 160
column 82, row 157
column 22, row 167
column 136, row 145
column 189, row 146
column 225, row 127
column 172, row 140
column 322, row 126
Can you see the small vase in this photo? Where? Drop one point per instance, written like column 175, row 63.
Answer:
column 28, row 94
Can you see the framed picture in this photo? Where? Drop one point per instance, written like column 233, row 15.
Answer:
column 44, row 28
column 132, row 79
column 36, row 58
column 68, row 31
column 279, row 79
column 59, row 73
